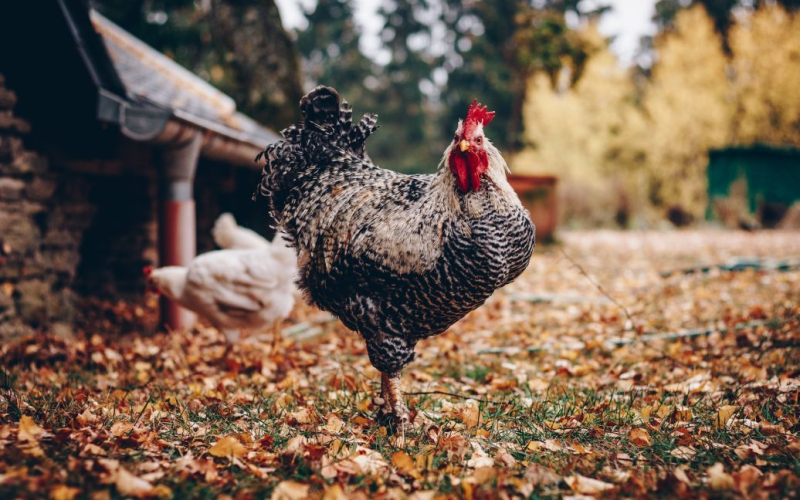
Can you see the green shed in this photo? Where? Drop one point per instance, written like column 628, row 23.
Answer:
column 771, row 176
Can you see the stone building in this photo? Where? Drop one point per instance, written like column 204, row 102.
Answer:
column 112, row 157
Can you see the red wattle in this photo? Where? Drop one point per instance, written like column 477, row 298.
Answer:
column 458, row 165
column 468, row 167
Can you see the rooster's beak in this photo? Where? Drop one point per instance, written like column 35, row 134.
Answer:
column 463, row 145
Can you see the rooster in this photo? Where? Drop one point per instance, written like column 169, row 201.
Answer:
column 397, row 258
column 249, row 285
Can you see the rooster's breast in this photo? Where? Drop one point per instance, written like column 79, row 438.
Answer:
column 372, row 297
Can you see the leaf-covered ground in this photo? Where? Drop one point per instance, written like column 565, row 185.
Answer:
column 594, row 374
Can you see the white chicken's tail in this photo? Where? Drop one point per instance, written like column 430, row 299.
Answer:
column 229, row 235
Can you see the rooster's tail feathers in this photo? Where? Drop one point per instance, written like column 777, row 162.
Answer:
column 320, row 107
column 325, row 113
column 327, row 132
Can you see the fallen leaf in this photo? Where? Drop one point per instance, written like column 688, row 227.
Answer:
column 640, row 437
column 683, row 414
column 402, row 462
column 723, row 415
column 28, row 430
column 536, row 475
column 290, row 490
column 302, row 416
column 747, row 479
column 470, row 416
column 120, row 428
column 283, row 401
column 63, row 492
column 552, row 445
column 505, row 458
column 131, row 485
column 334, row 492
column 228, row 447
column 483, row 475
column 296, row 444
column 718, row 479
column 334, row 425
column 87, row 417
column 479, row 457
column 369, row 461
column 683, row 452
column 680, row 474
column 534, row 446
column 586, row 485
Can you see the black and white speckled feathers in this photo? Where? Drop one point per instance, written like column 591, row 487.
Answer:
column 396, row 257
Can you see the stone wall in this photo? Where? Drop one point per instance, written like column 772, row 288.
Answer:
column 42, row 218
column 68, row 229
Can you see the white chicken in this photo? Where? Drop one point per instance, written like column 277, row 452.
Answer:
column 249, row 284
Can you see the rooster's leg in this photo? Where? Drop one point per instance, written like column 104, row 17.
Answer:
column 393, row 405
column 277, row 338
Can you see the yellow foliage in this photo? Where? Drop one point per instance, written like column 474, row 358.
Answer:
column 766, row 65
column 697, row 99
column 571, row 128
column 688, row 109
column 580, row 133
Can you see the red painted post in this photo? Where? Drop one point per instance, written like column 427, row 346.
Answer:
column 177, row 237
column 177, row 227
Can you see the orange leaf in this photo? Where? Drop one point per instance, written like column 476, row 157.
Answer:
column 290, row 490
column 28, row 430
column 229, row 447
column 586, row 485
column 402, row 461
column 723, row 415
column 335, row 492
column 132, row 486
column 718, row 479
column 640, row 437
column 63, row 492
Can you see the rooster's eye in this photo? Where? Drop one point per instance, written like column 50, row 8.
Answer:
column 478, row 140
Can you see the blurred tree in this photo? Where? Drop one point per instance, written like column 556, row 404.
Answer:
column 688, row 108
column 239, row 46
column 766, row 64
column 610, row 140
column 587, row 134
column 409, row 140
column 331, row 54
column 720, row 11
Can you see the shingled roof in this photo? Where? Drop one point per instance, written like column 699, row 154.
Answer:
column 151, row 77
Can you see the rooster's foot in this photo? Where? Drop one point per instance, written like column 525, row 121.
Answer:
column 391, row 408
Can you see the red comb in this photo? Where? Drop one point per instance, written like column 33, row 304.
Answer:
column 479, row 113
column 147, row 270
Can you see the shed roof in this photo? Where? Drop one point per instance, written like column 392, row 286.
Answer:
column 151, row 77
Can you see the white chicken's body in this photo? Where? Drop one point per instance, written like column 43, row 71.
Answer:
column 235, row 289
